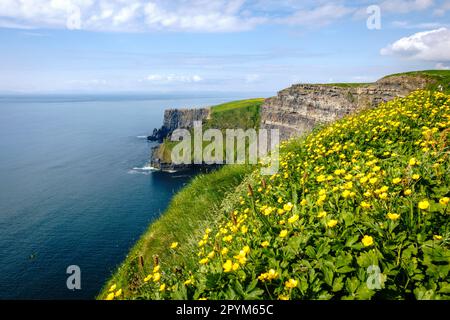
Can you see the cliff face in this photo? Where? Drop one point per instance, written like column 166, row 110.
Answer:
column 178, row 118
column 296, row 110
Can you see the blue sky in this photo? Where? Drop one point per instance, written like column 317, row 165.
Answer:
column 216, row 45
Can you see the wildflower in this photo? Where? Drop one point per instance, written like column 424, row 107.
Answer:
column 416, row 176
column 365, row 204
column 437, row 237
column 110, row 296
column 303, row 202
column 118, row 293
column 162, row 287
column 201, row 243
column 280, row 200
column 424, row 205
column 265, row 244
column 444, row 201
column 224, row 251
column 244, row 229
column 322, row 214
column 228, row 238
column 283, row 297
column 373, row 180
column 211, row 255
column 156, row 269
column 188, row 282
column 235, row 266
column 268, row 211
column 283, row 233
column 156, row 277
column 367, row 194
column 246, row 249
column 112, row 288
column 407, row 192
column 288, row 206
column 174, row 245
column 346, row 194
column 291, row 283
column 413, row 162
column 147, row 278
column 204, row 261
column 393, row 216
column 367, row 241
column 293, row 218
column 280, row 211
column 396, row 180
column 383, row 195
column 228, row 266
column 332, row 223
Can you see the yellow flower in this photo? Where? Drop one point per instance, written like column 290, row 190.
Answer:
column 365, row 204
column 147, row 278
column 211, row 254
column 246, row 249
column 228, row 266
column 303, row 202
column 393, row 216
column 265, row 244
column 156, row 277
column 437, row 237
column 346, row 194
column 268, row 211
column 280, row 211
column 322, row 214
column 268, row 276
column 291, row 283
column 283, row 297
column 415, row 176
column 367, row 241
column 283, row 233
column 407, row 192
column 383, row 195
column 293, row 218
column 156, row 269
column 244, row 229
column 288, row 206
column 413, row 161
column 396, row 180
column 188, row 282
column 373, row 180
column 228, row 238
column 224, row 251
column 280, row 200
column 424, row 205
column 112, row 288
column 332, row 223
column 118, row 293
column 162, row 287
column 110, row 296
column 174, row 245
column 204, row 261
column 444, row 201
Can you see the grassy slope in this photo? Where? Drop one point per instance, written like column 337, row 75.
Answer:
column 196, row 205
column 327, row 260
column 242, row 114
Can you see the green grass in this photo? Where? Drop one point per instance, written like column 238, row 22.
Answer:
column 348, row 84
column 441, row 78
column 241, row 114
column 198, row 204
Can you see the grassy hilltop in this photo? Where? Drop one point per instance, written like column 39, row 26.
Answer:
column 362, row 200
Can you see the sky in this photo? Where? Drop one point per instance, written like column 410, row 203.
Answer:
column 99, row 46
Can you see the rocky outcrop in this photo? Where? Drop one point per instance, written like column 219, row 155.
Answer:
column 296, row 110
column 178, row 118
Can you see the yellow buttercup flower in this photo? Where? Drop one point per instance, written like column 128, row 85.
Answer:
column 156, row 269
column 228, row 266
column 174, row 245
column 416, row 176
column 224, row 251
column 283, row 297
column 293, row 218
column 110, row 296
column 322, row 214
column 437, row 237
column 288, row 206
column 396, row 180
column 303, row 202
column 365, row 204
column 204, row 261
column 112, row 288
column 118, row 293
column 367, row 241
column 444, row 201
column 291, row 283
column 407, row 192
column 147, row 278
column 332, row 223
column 265, row 244
column 188, row 282
column 156, row 277
column 424, row 205
column 162, row 287
column 413, row 162
column 283, row 233
column 393, row 216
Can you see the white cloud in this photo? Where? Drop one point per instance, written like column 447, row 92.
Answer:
column 441, row 66
column 317, row 16
column 442, row 9
column 173, row 78
column 405, row 6
column 431, row 45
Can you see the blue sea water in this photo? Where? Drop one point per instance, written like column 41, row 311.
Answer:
column 71, row 191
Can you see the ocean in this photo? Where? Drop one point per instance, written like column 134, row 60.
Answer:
column 74, row 189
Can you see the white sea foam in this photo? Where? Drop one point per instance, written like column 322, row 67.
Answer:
column 141, row 137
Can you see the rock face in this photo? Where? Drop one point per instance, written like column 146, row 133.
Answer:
column 178, row 118
column 296, row 110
